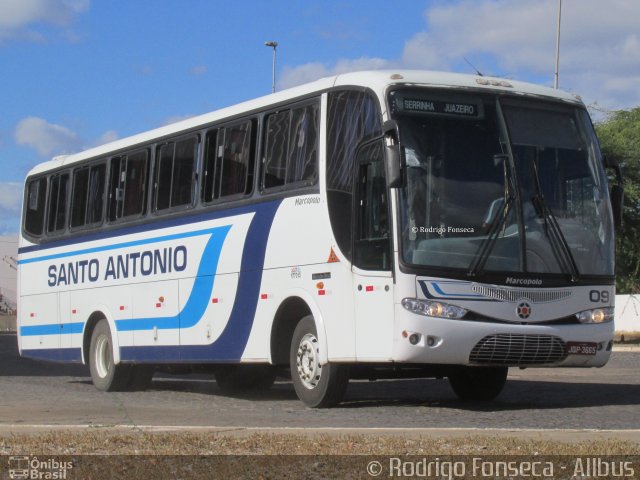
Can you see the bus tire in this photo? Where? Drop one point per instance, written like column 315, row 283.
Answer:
column 478, row 383
column 106, row 375
column 245, row 378
column 318, row 386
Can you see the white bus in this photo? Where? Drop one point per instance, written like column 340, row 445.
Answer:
column 368, row 225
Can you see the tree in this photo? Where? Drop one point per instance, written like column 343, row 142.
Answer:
column 619, row 138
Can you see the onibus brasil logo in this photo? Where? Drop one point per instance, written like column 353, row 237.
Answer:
column 24, row 467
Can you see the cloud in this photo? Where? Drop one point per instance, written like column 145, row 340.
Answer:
column 16, row 16
column 599, row 51
column 107, row 137
column 292, row 76
column 46, row 138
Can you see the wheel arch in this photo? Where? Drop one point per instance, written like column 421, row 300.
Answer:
column 99, row 313
column 291, row 310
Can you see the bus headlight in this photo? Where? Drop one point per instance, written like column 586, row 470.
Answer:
column 597, row 315
column 433, row 309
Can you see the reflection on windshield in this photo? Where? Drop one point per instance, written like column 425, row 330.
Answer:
column 526, row 194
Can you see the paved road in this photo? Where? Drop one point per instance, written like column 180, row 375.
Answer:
column 34, row 393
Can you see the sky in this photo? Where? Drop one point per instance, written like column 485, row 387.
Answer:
column 78, row 73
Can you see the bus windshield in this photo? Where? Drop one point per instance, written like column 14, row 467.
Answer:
column 501, row 185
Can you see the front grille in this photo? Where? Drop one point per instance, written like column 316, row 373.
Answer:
column 518, row 350
column 514, row 294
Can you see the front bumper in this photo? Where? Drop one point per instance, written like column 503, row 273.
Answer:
column 421, row 339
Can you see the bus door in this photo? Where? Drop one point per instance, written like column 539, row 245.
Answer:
column 372, row 277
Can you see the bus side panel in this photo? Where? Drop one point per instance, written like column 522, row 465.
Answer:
column 39, row 328
column 298, row 251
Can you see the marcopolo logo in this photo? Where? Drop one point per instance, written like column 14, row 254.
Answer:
column 524, row 310
column 23, row 467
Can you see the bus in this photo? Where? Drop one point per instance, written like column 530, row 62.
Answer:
column 369, row 225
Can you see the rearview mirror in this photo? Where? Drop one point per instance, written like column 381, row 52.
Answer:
column 393, row 159
column 617, row 203
column 616, row 193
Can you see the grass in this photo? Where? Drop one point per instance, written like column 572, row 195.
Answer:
column 102, row 442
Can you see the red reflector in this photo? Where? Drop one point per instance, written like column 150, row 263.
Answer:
column 264, row 296
column 369, row 288
column 158, row 305
column 214, row 300
column 121, row 307
column 32, row 315
column 321, row 292
column 74, row 311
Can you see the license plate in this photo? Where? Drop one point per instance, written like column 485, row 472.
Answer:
column 582, row 348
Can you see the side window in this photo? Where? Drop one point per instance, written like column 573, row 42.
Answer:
column 291, row 147
column 175, row 173
column 228, row 162
column 210, row 189
column 88, row 195
column 236, row 160
column 79, row 197
column 58, row 203
column 276, row 149
column 303, row 144
column 36, row 199
column 135, row 184
column 372, row 246
column 128, row 185
column 353, row 117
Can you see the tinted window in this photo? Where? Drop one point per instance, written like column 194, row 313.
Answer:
column 127, row 185
column 88, row 195
column 228, row 165
column 175, row 177
column 58, row 203
column 79, row 197
column 290, row 154
column 36, row 199
column 353, row 117
column 276, row 149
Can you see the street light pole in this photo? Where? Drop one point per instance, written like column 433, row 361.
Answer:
column 274, row 45
column 555, row 79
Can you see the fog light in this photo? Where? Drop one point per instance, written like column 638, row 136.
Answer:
column 431, row 341
column 414, row 338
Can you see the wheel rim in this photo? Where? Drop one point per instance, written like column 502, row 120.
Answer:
column 103, row 356
column 309, row 368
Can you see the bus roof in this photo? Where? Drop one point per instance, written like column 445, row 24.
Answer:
column 378, row 80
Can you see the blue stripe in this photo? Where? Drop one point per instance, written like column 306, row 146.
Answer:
column 54, row 354
column 197, row 301
column 52, row 329
column 200, row 293
column 148, row 226
column 450, row 296
column 135, row 243
column 233, row 340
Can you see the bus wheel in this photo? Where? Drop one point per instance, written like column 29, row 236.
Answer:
column 106, row 375
column 245, row 378
column 318, row 386
column 478, row 383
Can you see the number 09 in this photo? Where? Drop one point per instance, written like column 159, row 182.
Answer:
column 597, row 296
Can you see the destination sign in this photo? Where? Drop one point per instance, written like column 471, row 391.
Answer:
column 443, row 107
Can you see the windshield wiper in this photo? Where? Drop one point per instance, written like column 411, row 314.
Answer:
column 486, row 247
column 559, row 245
